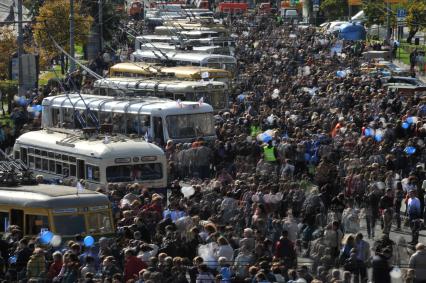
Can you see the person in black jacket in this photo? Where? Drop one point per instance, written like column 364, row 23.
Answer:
column 386, row 205
column 381, row 267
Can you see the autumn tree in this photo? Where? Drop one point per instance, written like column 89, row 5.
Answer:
column 52, row 22
column 8, row 46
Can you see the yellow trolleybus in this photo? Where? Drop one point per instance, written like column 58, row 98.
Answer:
column 56, row 208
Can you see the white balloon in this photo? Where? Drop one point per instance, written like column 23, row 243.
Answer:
column 56, row 241
column 187, row 191
column 255, row 198
column 396, row 272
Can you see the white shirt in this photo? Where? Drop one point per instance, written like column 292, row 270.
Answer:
column 413, row 205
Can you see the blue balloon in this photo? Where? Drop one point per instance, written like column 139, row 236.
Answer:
column 410, row 120
column 46, row 237
column 410, row 150
column 265, row 137
column 405, row 125
column 22, row 101
column 378, row 138
column 89, row 241
column 307, row 157
column 341, row 74
column 38, row 108
column 369, row 132
column 241, row 97
column 12, row 259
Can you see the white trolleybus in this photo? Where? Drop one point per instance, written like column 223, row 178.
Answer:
column 212, row 92
column 157, row 119
column 180, row 58
column 168, row 47
column 99, row 161
column 226, row 44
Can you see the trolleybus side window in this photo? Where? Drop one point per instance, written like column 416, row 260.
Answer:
column 34, row 223
column 52, row 166
column 4, row 221
column 45, row 164
column 68, row 118
column 69, row 224
column 31, row 161
column 37, row 163
column 92, row 173
column 127, row 173
column 55, row 117
column 99, row 222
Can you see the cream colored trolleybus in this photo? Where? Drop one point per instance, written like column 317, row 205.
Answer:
column 59, row 209
column 99, row 161
column 180, row 58
column 156, row 119
column 214, row 93
column 191, row 73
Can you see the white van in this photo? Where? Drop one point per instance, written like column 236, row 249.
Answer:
column 289, row 14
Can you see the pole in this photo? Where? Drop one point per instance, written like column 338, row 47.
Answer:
column 21, row 89
column 388, row 34
column 72, row 51
column 101, row 30
column 350, row 10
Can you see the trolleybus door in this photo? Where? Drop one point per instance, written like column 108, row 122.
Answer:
column 17, row 217
column 80, row 169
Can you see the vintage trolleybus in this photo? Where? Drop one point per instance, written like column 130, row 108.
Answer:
column 214, row 93
column 66, row 155
column 180, row 58
column 57, row 208
column 157, row 119
column 192, row 73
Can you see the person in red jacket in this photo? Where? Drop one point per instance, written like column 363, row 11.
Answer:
column 284, row 250
column 132, row 266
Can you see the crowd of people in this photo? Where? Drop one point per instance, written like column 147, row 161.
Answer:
column 311, row 151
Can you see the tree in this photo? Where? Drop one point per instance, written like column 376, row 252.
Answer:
column 334, row 9
column 8, row 46
column 375, row 12
column 416, row 17
column 110, row 16
column 53, row 23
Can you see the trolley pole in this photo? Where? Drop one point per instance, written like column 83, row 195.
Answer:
column 388, row 32
column 21, row 89
column 72, row 50
column 101, row 29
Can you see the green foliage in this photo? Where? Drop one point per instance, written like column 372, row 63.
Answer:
column 110, row 16
column 334, row 9
column 8, row 87
column 375, row 12
column 416, row 17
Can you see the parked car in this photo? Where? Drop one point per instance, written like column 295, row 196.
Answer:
column 394, row 69
column 409, row 81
